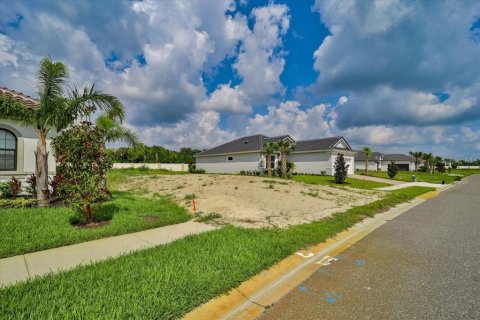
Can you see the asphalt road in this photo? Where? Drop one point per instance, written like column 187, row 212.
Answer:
column 424, row 264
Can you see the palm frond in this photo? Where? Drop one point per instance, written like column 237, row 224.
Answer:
column 90, row 101
column 122, row 134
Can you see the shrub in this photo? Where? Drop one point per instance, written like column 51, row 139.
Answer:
column 32, row 185
column 143, row 168
column 440, row 167
column 341, row 169
column 83, row 164
column 17, row 203
column 392, row 169
column 5, row 190
column 323, row 173
column 55, row 183
column 15, row 186
column 422, row 169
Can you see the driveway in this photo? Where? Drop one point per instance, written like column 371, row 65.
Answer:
column 424, row 264
column 376, row 179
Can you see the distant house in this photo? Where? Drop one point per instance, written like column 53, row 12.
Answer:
column 310, row 156
column 18, row 144
column 380, row 161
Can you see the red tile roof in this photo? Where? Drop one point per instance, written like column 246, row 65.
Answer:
column 20, row 97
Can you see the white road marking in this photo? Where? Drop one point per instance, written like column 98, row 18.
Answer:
column 308, row 255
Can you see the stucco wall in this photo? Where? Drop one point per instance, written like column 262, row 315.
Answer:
column 221, row 164
column 360, row 165
column 314, row 162
column 166, row 166
column 26, row 146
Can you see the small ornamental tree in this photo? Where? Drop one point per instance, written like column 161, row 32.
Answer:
column 392, row 169
column 341, row 169
column 83, row 163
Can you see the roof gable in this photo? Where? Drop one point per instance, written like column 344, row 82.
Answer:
column 322, row 144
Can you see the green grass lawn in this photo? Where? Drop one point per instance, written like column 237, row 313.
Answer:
column 350, row 182
column 28, row 230
column 421, row 176
column 168, row 281
column 465, row 172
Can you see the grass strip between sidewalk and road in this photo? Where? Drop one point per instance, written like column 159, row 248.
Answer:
column 168, row 281
column 424, row 176
column 33, row 229
column 349, row 182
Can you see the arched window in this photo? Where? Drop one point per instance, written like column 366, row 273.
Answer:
column 8, row 151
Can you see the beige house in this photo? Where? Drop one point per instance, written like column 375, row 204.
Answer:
column 314, row 156
column 18, row 144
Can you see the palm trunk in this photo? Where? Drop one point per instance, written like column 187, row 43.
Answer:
column 284, row 165
column 87, row 210
column 269, row 165
column 41, row 169
column 366, row 166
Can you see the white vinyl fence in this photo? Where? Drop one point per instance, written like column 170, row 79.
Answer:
column 165, row 166
column 468, row 167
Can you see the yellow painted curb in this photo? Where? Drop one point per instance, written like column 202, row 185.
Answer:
column 429, row 195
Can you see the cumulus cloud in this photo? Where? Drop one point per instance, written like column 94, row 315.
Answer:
column 199, row 130
column 289, row 118
column 390, row 56
column 226, row 98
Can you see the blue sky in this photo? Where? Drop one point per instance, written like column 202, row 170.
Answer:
column 396, row 75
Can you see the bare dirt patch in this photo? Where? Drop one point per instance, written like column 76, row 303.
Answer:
column 252, row 201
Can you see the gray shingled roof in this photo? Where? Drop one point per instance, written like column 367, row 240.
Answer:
column 244, row 144
column 255, row 143
column 397, row 157
column 317, row 144
column 360, row 156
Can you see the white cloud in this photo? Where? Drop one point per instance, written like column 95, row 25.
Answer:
column 289, row 118
column 199, row 130
column 226, row 98
column 390, row 56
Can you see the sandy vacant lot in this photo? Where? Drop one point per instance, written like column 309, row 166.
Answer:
column 252, row 201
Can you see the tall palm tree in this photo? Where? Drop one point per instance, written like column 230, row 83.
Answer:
column 428, row 157
column 269, row 149
column 417, row 156
column 59, row 106
column 284, row 147
column 368, row 152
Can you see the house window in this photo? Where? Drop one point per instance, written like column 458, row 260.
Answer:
column 230, row 158
column 272, row 162
column 8, row 151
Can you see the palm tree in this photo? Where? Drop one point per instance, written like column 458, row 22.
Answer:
column 367, row 151
column 55, row 112
column 269, row 149
column 428, row 157
column 417, row 156
column 284, row 147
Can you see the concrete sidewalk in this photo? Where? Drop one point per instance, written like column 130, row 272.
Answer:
column 414, row 184
column 376, row 179
column 22, row 267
